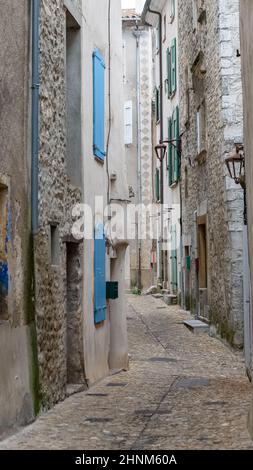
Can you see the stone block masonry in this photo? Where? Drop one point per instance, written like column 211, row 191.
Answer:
column 210, row 193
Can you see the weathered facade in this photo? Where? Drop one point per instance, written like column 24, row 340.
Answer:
column 18, row 370
column 61, row 146
column 211, row 123
column 138, row 90
column 58, row 258
column 246, row 20
column 163, row 16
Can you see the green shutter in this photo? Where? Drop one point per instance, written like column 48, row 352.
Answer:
column 157, row 184
column 170, row 152
column 174, row 66
column 168, row 55
column 176, row 148
column 174, row 258
column 173, row 9
column 157, row 104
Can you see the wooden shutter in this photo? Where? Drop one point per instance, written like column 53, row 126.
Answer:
column 174, row 258
column 170, row 152
column 174, row 66
column 168, row 56
column 99, row 275
column 173, row 9
column 98, row 105
column 128, row 118
column 157, row 104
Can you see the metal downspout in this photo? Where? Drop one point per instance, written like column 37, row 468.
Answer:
column 35, row 112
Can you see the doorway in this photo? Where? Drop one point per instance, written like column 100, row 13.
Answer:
column 75, row 355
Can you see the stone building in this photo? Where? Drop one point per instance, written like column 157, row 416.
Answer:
column 62, row 145
column 211, row 122
column 18, row 369
column 81, row 333
column 163, row 16
column 138, row 90
column 246, row 21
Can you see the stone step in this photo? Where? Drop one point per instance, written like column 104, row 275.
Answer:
column 197, row 326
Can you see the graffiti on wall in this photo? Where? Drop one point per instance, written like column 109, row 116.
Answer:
column 4, row 240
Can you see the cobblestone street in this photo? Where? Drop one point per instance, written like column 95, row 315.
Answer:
column 183, row 391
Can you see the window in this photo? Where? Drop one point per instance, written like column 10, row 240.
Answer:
column 73, row 100
column 187, row 99
column 168, row 80
column 174, row 284
column 173, row 150
column 157, row 104
column 99, row 275
column 128, row 122
column 157, row 185
column 201, row 128
column 173, row 55
column 98, row 106
column 55, row 245
column 4, row 237
column 202, row 250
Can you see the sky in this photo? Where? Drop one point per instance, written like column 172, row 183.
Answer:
column 133, row 4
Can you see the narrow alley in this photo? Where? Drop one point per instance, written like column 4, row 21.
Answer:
column 182, row 391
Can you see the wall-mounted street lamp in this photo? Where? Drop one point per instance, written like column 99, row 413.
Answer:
column 160, row 151
column 236, row 169
column 236, row 165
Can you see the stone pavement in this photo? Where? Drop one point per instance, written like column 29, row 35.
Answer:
column 182, row 391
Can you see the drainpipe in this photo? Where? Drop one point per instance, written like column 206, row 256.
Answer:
column 154, row 12
column 35, row 112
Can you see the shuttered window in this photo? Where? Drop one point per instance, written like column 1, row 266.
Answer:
column 99, row 275
column 174, row 66
column 128, row 122
column 170, row 150
column 174, row 148
column 157, row 104
column 173, row 258
column 168, row 57
column 98, row 105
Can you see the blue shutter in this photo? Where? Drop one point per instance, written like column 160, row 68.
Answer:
column 98, row 106
column 99, row 275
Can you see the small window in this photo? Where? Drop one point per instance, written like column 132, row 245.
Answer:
column 55, row 245
column 202, row 249
column 201, row 128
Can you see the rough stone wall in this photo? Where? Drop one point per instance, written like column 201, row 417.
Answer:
column 210, row 191
column 56, row 199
